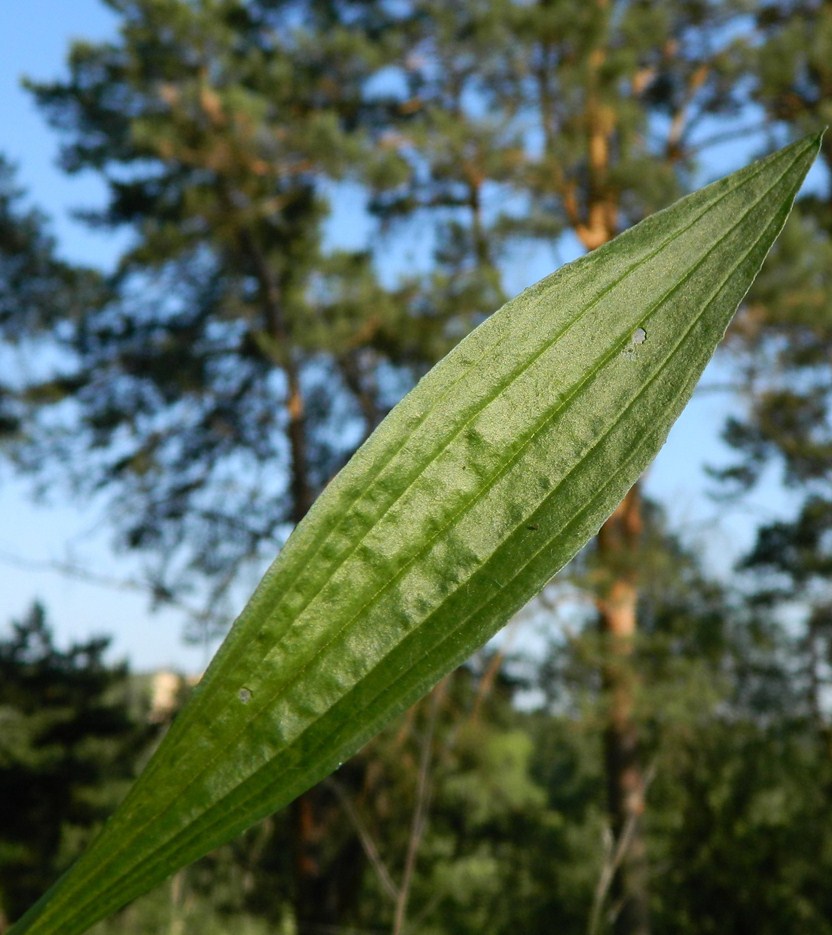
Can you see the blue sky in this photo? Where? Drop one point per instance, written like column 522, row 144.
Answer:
column 34, row 38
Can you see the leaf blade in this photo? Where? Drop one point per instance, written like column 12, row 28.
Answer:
column 482, row 482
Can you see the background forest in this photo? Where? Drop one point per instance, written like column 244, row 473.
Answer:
column 316, row 200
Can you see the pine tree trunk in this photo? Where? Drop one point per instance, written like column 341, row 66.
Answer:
column 308, row 907
column 618, row 542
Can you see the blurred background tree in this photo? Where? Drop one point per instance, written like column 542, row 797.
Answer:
column 235, row 360
column 68, row 746
column 783, row 351
column 551, row 121
column 39, row 293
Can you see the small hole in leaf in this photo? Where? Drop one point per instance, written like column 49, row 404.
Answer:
column 245, row 695
column 637, row 338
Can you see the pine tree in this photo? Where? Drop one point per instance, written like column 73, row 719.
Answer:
column 68, row 749
column 782, row 344
column 528, row 122
column 31, row 276
column 238, row 359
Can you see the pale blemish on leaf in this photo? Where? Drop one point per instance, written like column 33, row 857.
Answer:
column 637, row 338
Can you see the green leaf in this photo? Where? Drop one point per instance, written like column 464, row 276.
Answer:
column 476, row 489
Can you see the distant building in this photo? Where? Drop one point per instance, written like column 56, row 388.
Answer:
column 167, row 689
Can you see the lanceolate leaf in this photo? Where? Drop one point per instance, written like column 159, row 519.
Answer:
column 476, row 489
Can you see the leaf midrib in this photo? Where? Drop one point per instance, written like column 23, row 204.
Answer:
column 387, row 465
